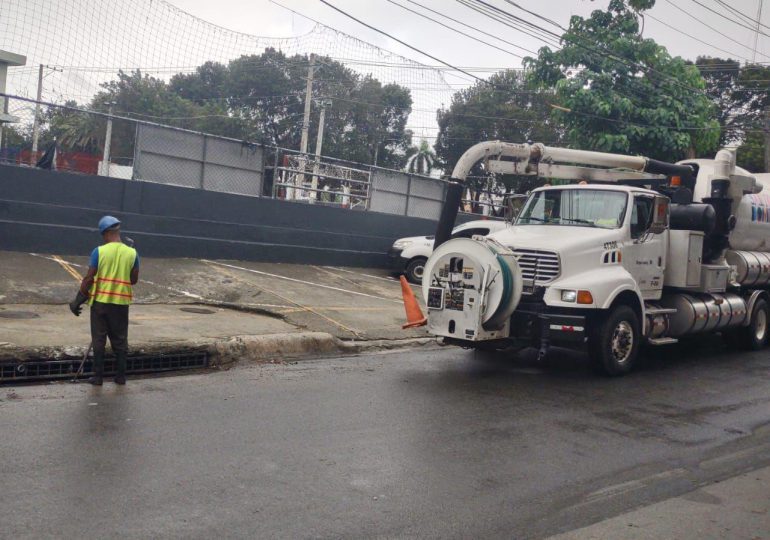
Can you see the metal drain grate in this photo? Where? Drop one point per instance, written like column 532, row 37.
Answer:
column 43, row 369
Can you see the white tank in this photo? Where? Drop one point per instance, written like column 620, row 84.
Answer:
column 751, row 199
column 752, row 228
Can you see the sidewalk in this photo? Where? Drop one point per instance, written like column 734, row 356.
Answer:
column 187, row 303
column 737, row 508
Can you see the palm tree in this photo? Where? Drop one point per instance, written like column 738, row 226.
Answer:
column 421, row 159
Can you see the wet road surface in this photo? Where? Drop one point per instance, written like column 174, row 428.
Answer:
column 440, row 443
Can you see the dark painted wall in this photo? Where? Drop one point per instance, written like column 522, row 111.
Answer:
column 57, row 212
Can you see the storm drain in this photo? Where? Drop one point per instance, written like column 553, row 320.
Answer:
column 44, row 369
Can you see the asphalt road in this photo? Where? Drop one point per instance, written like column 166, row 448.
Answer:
column 439, row 443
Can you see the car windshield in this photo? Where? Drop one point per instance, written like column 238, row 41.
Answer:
column 577, row 207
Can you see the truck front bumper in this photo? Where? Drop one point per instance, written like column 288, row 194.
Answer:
column 542, row 326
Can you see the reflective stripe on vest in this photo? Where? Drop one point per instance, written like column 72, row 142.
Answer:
column 112, row 283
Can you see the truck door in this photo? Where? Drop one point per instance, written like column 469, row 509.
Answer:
column 644, row 253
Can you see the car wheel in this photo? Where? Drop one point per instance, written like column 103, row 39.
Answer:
column 414, row 270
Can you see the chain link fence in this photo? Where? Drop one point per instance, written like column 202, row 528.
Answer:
column 106, row 144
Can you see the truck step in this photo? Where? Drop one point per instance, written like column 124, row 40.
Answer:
column 660, row 311
column 662, row 341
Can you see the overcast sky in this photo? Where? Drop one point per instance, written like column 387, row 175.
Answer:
column 262, row 17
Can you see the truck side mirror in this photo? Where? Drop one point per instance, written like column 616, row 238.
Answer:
column 660, row 215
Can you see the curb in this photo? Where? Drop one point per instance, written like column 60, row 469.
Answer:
column 228, row 352
column 264, row 348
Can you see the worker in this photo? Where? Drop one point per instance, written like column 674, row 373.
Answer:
column 107, row 287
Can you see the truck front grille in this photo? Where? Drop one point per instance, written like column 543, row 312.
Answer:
column 538, row 267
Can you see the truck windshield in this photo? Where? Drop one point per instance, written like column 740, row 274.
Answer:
column 577, row 207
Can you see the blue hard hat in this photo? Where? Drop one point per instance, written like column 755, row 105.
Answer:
column 107, row 222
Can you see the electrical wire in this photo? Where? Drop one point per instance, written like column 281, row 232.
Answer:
column 710, row 28
column 359, row 21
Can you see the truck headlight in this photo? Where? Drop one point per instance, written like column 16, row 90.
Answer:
column 568, row 296
column 401, row 244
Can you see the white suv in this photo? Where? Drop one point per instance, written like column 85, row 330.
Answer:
column 408, row 255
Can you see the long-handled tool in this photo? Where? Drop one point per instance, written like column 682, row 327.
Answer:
column 82, row 363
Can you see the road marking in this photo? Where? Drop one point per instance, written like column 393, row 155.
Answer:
column 322, row 269
column 71, row 271
column 53, row 259
column 304, row 308
column 338, row 289
column 388, row 279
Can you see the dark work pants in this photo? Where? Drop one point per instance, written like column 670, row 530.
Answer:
column 109, row 320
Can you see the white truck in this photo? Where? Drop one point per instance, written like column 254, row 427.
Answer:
column 639, row 251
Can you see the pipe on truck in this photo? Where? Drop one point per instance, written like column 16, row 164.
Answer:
column 536, row 153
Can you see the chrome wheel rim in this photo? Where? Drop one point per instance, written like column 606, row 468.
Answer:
column 622, row 342
column 760, row 327
column 419, row 271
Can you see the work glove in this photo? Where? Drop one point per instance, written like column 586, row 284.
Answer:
column 77, row 303
column 128, row 241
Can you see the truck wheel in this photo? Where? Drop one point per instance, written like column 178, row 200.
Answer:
column 754, row 336
column 415, row 269
column 614, row 341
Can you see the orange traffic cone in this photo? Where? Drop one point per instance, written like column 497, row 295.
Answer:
column 414, row 316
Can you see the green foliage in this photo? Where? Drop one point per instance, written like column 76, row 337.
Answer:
column 740, row 94
column 365, row 121
column 751, row 153
column 624, row 93
column 257, row 98
column 504, row 108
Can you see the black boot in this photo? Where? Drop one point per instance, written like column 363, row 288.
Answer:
column 120, row 368
column 98, row 363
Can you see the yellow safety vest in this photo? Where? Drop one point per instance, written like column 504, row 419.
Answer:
column 112, row 283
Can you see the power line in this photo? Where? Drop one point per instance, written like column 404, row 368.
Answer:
column 739, row 23
column 471, row 27
column 398, row 40
column 455, row 29
column 680, row 31
column 709, row 27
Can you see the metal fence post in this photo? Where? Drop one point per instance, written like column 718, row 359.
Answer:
column 408, row 193
column 203, row 161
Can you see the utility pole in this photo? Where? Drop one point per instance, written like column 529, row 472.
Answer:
column 756, row 36
column 767, row 138
column 306, row 119
column 36, row 121
column 107, row 144
column 318, row 145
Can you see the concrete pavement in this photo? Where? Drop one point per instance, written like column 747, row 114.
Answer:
column 191, row 303
column 737, row 508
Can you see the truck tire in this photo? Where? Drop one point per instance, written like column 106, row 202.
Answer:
column 754, row 336
column 614, row 341
column 414, row 270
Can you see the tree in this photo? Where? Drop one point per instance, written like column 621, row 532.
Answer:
column 619, row 92
column 740, row 95
column 366, row 121
column 506, row 107
column 421, row 159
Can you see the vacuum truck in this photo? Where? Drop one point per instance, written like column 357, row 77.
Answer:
column 632, row 251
